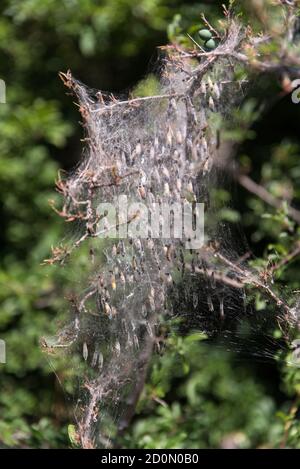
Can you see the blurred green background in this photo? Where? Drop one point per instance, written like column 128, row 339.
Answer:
column 197, row 395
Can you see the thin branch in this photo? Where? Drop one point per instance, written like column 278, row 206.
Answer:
column 196, row 43
column 220, row 277
column 136, row 101
column 247, row 277
column 264, row 195
column 210, row 26
column 288, row 258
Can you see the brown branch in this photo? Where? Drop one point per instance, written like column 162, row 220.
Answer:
column 220, row 277
column 292, row 414
column 288, row 258
column 264, row 195
column 247, row 277
column 135, row 101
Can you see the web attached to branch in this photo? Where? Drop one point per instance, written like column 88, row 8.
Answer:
column 164, row 149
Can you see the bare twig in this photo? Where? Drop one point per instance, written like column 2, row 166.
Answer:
column 286, row 259
column 133, row 101
column 264, row 195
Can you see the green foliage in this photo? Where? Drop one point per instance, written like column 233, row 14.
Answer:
column 197, row 395
column 38, row 39
column 148, row 87
column 195, row 389
column 192, row 397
